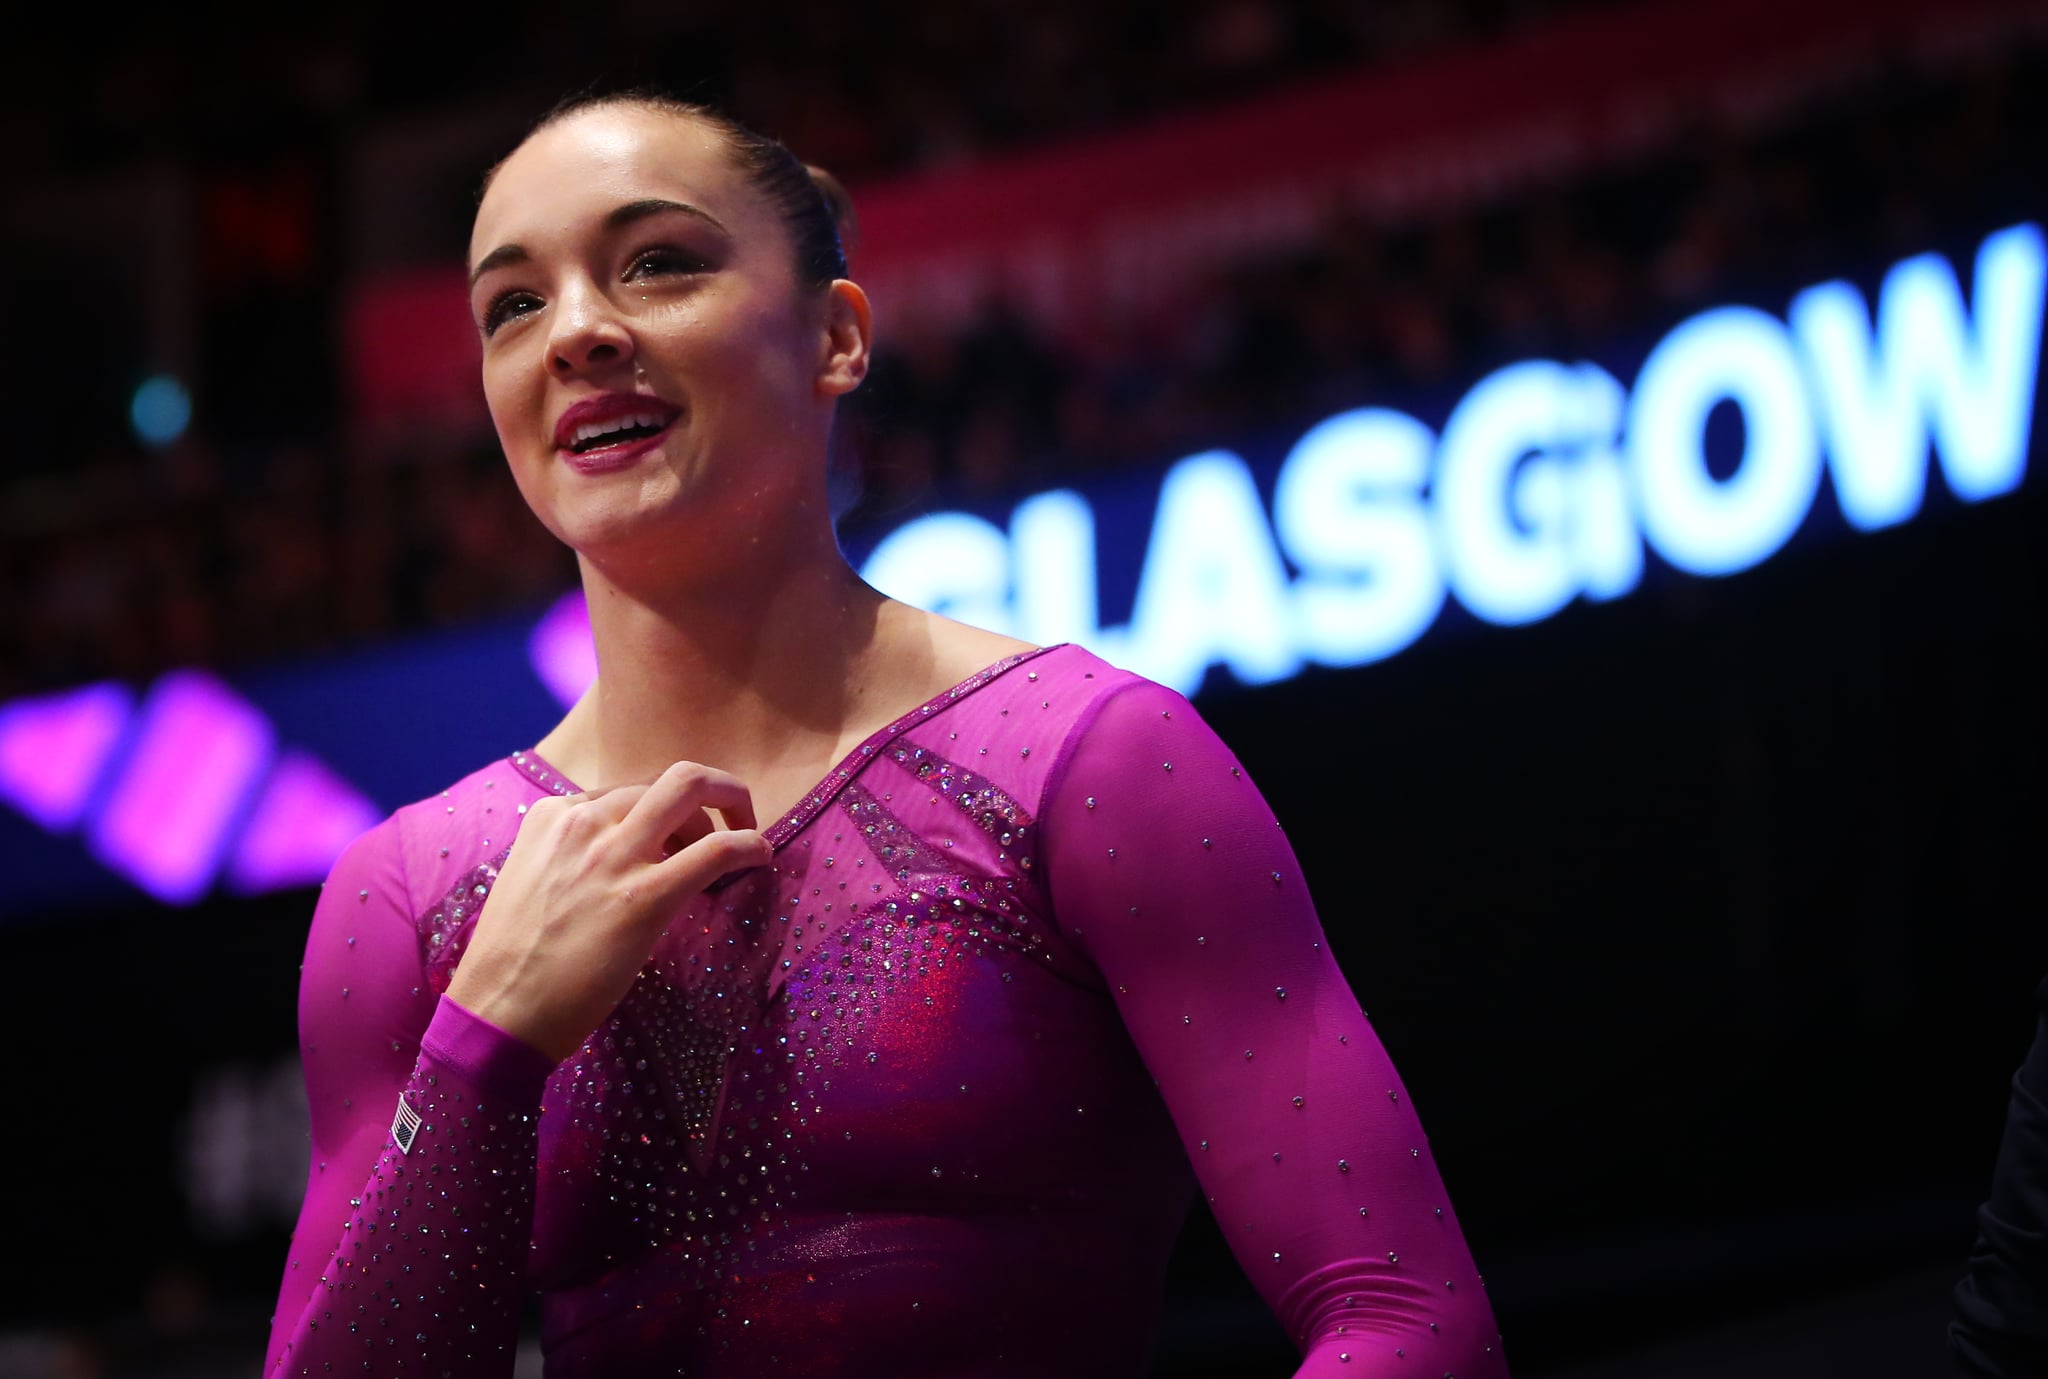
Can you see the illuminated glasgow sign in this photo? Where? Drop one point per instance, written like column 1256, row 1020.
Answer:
column 1548, row 483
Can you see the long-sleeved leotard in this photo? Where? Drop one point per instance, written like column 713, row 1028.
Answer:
column 921, row 1099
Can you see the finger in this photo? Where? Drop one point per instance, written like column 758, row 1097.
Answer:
column 698, row 825
column 620, row 796
column 676, row 800
column 589, row 816
column 716, row 854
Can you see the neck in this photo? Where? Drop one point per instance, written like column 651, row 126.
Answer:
column 751, row 671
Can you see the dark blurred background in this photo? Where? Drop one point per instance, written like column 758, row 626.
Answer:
column 1703, row 922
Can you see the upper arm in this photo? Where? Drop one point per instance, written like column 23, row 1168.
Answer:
column 1168, row 868
column 363, row 1004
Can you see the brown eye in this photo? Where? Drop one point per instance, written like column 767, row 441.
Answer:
column 507, row 305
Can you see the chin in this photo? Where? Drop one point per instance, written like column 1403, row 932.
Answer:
column 659, row 519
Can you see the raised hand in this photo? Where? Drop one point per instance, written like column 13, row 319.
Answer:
column 586, row 890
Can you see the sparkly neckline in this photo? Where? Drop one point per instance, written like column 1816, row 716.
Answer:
column 541, row 772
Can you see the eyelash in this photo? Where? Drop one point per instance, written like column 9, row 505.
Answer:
column 500, row 309
column 680, row 261
column 495, row 315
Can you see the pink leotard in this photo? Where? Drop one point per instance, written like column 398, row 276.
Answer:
column 927, row 1097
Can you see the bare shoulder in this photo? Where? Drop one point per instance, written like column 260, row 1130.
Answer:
column 959, row 649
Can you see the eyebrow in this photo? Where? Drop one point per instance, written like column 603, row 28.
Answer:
column 619, row 217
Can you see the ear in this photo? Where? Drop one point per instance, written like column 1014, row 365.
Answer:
column 849, row 333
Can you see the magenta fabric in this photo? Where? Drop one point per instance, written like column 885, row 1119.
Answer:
column 928, row 1097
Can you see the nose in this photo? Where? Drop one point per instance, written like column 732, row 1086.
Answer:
column 588, row 335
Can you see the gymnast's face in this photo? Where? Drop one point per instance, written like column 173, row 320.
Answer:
column 653, row 367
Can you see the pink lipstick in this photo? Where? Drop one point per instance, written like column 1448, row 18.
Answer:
column 612, row 430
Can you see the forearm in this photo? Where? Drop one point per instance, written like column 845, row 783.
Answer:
column 423, row 1268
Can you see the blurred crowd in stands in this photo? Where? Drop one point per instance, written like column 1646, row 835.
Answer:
column 1407, row 315
column 865, row 90
column 136, row 560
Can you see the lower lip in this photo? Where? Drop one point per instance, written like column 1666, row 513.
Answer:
column 607, row 458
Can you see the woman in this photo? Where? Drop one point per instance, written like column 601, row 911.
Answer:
column 915, row 1080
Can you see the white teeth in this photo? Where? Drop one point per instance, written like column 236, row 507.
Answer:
column 591, row 430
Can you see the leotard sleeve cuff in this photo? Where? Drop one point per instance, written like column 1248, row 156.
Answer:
column 498, row 1064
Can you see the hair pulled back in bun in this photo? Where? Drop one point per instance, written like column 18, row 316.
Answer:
column 840, row 204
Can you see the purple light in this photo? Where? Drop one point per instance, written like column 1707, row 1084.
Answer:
column 165, row 821
column 561, row 650
column 53, row 750
column 306, row 816
column 176, row 799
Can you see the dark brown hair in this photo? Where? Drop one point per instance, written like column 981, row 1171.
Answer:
column 814, row 207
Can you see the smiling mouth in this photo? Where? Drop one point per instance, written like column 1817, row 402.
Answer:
column 620, row 431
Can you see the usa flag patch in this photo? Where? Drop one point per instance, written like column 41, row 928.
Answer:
column 405, row 1125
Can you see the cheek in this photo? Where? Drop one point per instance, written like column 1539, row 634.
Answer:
column 514, row 400
column 752, row 345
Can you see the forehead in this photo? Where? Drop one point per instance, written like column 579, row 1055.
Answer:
column 567, row 177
